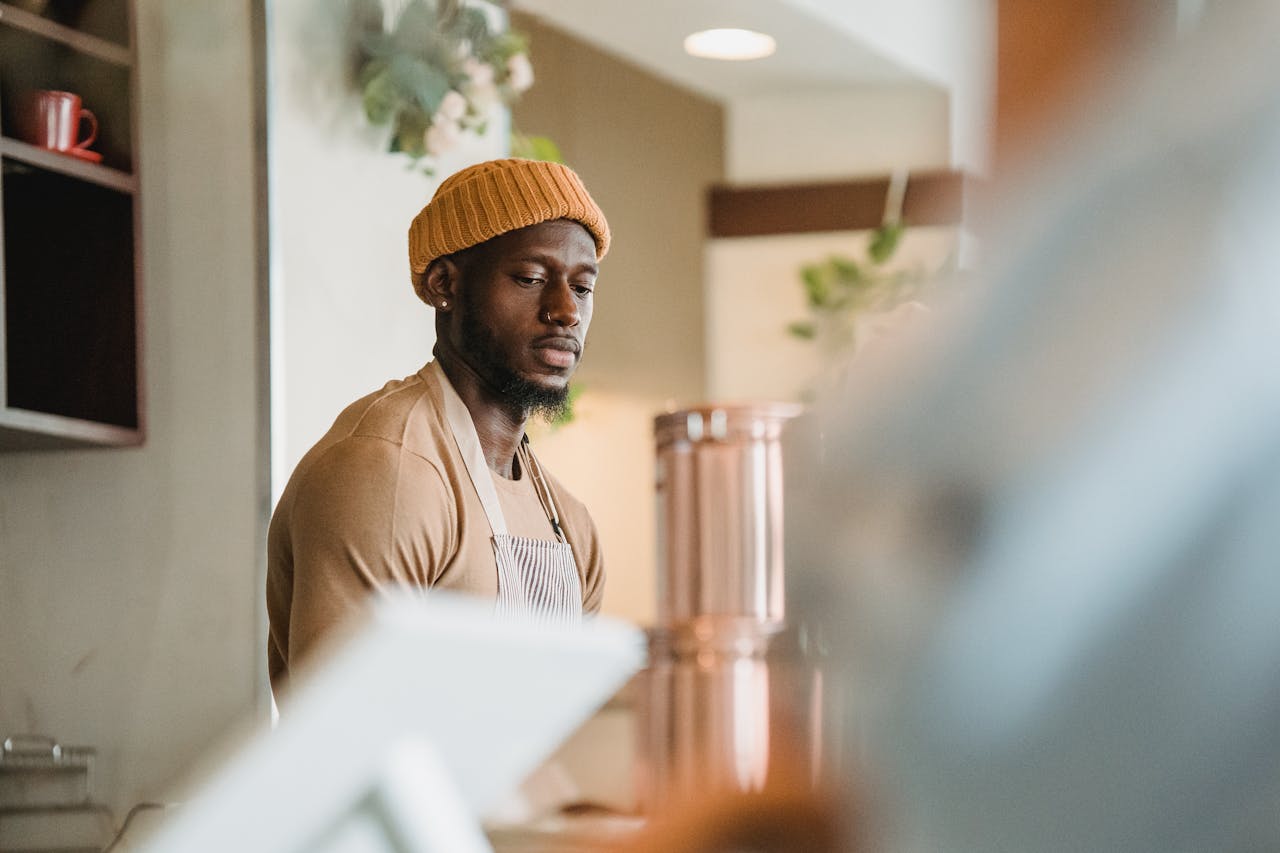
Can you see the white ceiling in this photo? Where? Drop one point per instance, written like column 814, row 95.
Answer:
column 811, row 55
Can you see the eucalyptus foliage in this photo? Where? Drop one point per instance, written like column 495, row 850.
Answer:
column 437, row 73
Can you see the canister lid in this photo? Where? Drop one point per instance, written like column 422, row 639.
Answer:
column 724, row 422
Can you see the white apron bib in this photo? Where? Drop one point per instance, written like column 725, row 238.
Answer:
column 535, row 577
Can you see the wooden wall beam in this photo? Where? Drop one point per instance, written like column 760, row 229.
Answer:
column 931, row 198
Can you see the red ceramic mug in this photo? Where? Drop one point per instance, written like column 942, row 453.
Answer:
column 54, row 121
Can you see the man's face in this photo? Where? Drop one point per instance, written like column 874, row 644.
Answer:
column 523, row 307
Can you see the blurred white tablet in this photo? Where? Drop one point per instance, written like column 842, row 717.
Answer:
column 425, row 719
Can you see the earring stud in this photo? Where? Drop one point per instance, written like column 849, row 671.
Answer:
column 444, row 303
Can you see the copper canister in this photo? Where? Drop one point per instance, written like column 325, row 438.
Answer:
column 719, row 490
column 726, row 703
column 728, row 696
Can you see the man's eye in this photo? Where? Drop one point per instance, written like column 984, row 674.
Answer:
column 529, row 280
column 583, row 290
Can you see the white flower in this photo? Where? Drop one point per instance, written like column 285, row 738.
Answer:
column 453, row 106
column 483, row 98
column 479, row 73
column 441, row 136
column 519, row 72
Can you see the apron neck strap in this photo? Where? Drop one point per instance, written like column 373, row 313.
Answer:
column 465, row 436
column 468, row 441
column 533, row 469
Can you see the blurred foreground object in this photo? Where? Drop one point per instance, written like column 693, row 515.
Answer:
column 409, row 733
column 786, row 816
column 1047, row 553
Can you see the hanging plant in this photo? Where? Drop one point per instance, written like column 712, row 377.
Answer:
column 438, row 73
column 852, row 301
column 840, row 289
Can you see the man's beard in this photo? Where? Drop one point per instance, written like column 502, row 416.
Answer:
column 513, row 389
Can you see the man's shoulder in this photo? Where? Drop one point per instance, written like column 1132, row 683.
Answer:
column 401, row 416
column 403, row 412
column 385, row 412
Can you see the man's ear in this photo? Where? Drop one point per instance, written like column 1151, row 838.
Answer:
column 440, row 283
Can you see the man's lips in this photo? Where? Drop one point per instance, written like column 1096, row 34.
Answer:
column 557, row 352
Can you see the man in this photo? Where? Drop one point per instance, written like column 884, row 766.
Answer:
column 430, row 482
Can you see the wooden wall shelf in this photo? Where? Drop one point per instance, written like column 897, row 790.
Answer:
column 52, row 161
column 70, row 248
column 24, row 430
column 931, row 198
column 81, row 42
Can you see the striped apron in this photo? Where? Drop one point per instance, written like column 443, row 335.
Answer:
column 536, row 577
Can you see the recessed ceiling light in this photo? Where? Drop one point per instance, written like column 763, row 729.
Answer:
column 729, row 44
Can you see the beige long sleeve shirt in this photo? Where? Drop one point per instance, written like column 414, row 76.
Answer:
column 384, row 499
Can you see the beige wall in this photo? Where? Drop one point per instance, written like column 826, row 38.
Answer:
column 812, row 136
column 129, row 578
column 950, row 43
column 647, row 151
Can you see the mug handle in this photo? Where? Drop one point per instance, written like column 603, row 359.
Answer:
column 93, row 130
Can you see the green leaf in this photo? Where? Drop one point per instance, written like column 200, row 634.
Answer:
column 379, row 98
column 508, row 44
column 411, row 125
column 419, row 82
column 846, row 269
column 802, row 330
column 817, row 286
column 884, row 241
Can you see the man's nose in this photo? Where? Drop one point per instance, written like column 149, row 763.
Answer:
column 559, row 306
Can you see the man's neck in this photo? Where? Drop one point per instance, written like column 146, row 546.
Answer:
column 498, row 426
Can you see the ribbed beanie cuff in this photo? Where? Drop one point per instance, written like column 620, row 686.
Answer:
column 492, row 198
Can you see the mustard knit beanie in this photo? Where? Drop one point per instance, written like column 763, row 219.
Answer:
column 492, row 198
